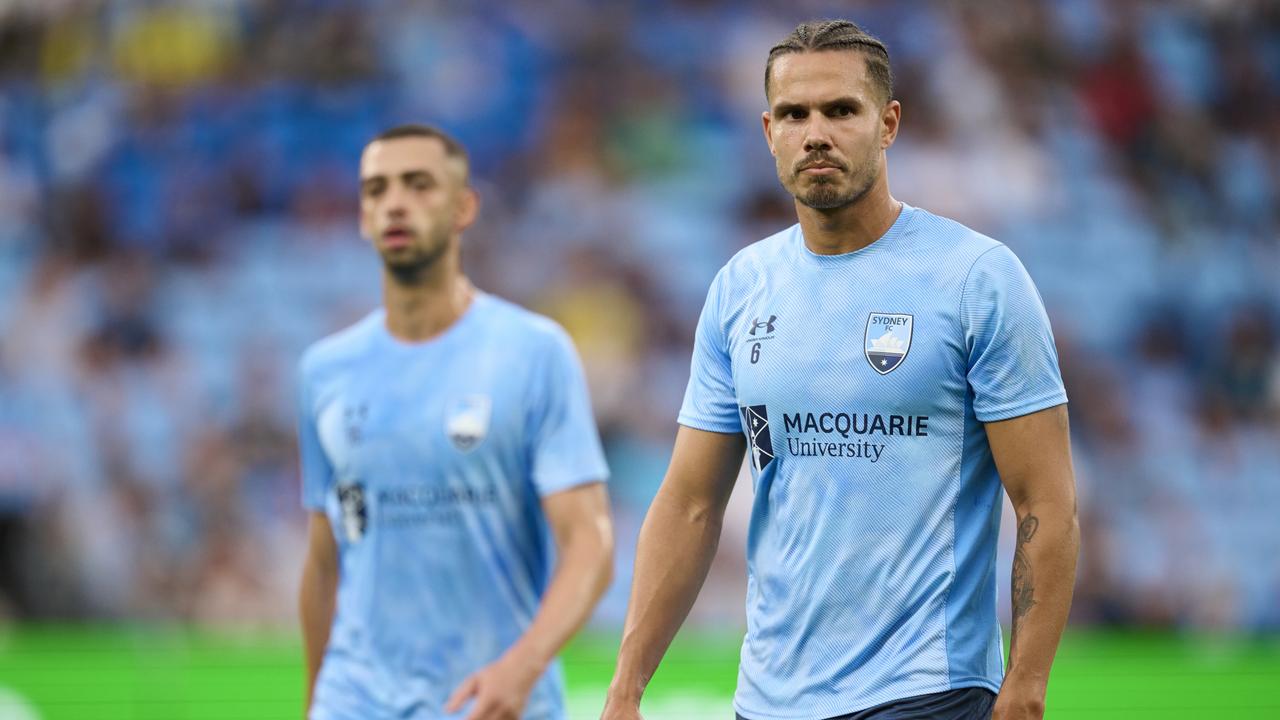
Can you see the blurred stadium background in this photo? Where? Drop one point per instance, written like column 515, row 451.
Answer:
column 177, row 221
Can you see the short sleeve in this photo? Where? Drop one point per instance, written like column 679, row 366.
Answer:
column 710, row 401
column 1012, row 363
column 566, row 448
column 317, row 473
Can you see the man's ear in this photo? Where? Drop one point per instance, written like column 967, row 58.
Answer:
column 366, row 224
column 890, row 119
column 468, row 208
column 767, row 120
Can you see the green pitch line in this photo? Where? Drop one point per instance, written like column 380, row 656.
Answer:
column 64, row 673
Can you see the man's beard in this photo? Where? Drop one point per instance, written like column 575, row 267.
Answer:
column 414, row 267
column 823, row 195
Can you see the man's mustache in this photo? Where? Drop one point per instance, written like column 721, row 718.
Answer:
column 819, row 159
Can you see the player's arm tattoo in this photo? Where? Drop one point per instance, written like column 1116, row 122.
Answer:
column 1024, row 585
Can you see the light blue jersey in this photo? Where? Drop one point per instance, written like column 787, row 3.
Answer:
column 862, row 382
column 430, row 460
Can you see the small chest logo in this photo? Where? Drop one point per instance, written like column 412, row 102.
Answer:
column 761, row 329
column 467, row 421
column 766, row 325
column 354, row 417
column 887, row 340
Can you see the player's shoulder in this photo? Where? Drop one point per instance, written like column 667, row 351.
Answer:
column 340, row 347
column 756, row 259
column 958, row 245
column 518, row 324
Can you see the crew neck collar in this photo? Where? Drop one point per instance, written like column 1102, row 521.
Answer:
column 385, row 337
column 895, row 231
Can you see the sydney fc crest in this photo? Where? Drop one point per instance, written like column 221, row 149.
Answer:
column 467, row 421
column 887, row 340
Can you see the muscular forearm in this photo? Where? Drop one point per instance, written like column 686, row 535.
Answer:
column 1033, row 455
column 583, row 572
column 1044, row 571
column 316, row 602
column 677, row 543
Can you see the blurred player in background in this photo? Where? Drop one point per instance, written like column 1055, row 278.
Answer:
column 890, row 369
column 445, row 439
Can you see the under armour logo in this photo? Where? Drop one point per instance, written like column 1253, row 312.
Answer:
column 354, row 417
column 766, row 324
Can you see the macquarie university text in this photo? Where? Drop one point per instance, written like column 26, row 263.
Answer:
column 848, row 425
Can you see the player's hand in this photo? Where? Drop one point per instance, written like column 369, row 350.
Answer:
column 1020, row 698
column 500, row 689
column 621, row 710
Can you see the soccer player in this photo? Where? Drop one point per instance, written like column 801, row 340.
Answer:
column 446, row 438
column 887, row 370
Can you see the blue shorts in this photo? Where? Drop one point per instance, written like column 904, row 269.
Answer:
column 964, row 704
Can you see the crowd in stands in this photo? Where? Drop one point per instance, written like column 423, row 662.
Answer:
column 178, row 221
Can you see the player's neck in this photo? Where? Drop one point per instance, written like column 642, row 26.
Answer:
column 421, row 310
column 852, row 227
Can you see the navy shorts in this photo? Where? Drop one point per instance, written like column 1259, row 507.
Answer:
column 963, row 704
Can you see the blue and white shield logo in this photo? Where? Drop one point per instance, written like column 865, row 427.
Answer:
column 887, row 340
column 467, row 421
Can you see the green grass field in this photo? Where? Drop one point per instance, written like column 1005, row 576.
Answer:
column 149, row 674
